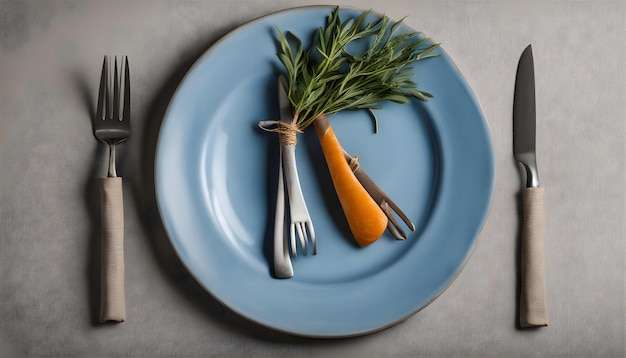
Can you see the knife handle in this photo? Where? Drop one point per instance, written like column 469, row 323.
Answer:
column 533, row 307
column 112, row 299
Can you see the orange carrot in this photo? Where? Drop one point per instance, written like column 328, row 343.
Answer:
column 366, row 219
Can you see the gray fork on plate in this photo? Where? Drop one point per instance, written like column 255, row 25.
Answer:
column 112, row 126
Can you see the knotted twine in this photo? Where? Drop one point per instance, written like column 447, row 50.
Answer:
column 287, row 132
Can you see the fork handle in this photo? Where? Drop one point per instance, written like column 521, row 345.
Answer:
column 533, row 307
column 112, row 299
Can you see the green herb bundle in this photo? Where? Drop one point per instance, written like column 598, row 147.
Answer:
column 327, row 78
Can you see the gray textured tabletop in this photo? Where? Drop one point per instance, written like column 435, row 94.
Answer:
column 50, row 55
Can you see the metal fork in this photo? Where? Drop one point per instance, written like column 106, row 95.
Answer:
column 112, row 126
column 298, row 212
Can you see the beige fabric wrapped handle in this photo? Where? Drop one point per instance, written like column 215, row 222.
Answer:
column 533, row 306
column 112, row 302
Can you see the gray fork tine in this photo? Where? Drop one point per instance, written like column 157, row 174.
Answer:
column 312, row 237
column 302, row 237
column 103, row 91
column 116, row 92
column 126, row 111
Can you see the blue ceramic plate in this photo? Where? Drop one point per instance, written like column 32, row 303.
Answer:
column 216, row 182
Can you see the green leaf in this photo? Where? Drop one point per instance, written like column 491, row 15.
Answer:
column 397, row 98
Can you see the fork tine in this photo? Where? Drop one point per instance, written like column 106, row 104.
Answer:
column 109, row 96
column 312, row 235
column 126, row 112
column 103, row 91
column 302, row 237
column 116, row 92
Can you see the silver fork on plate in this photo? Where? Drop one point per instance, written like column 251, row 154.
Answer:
column 112, row 126
column 298, row 212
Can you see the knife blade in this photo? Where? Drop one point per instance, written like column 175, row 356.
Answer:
column 532, row 305
column 524, row 117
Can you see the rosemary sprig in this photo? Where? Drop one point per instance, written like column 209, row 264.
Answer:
column 328, row 78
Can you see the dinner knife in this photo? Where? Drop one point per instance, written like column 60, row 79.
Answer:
column 533, row 305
